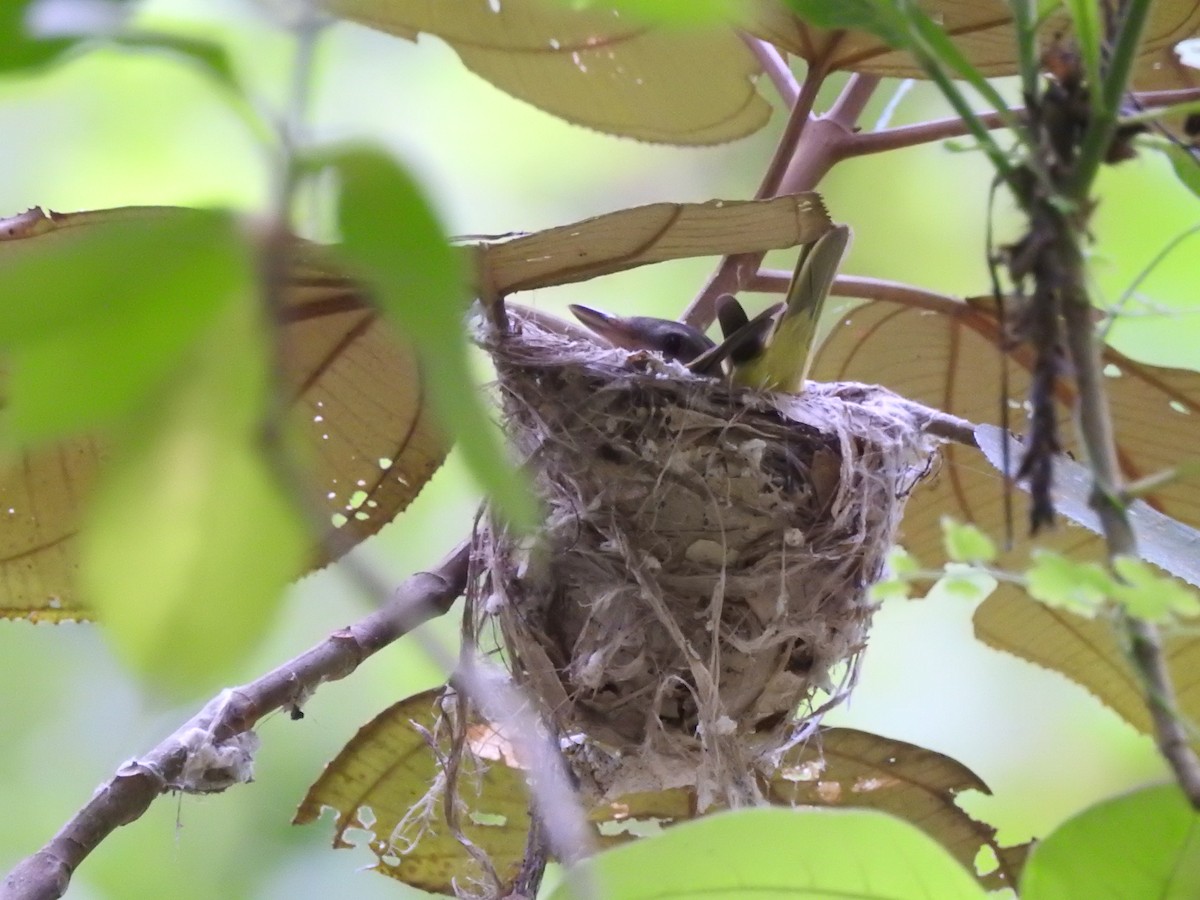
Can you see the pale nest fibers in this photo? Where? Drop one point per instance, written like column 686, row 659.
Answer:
column 698, row 590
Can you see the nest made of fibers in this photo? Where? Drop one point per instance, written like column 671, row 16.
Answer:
column 700, row 579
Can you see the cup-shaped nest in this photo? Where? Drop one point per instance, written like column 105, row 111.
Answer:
column 699, row 587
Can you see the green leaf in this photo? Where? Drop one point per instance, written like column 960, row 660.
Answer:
column 889, row 589
column 775, row 853
column 1144, row 844
column 96, row 308
column 876, row 17
column 966, row 543
column 677, row 13
column 1148, row 594
column 21, row 48
column 963, row 586
column 902, row 564
column 1086, row 16
column 189, row 541
column 1184, row 161
column 394, row 242
column 1080, row 587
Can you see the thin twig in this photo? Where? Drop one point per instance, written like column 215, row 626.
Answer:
column 775, row 65
column 211, row 735
column 913, row 135
column 776, row 281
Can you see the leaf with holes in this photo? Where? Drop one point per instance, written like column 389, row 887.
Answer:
column 358, row 397
column 387, row 781
column 595, row 66
column 982, row 32
column 846, row 768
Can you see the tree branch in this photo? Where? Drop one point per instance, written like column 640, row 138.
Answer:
column 214, row 749
column 912, row 135
column 807, row 150
column 775, row 65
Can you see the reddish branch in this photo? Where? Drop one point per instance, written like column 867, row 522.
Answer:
column 213, row 750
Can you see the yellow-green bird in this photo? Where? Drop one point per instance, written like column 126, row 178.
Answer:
column 781, row 363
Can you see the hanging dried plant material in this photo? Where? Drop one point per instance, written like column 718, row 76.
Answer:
column 982, row 31
column 702, row 569
column 628, row 238
column 593, row 67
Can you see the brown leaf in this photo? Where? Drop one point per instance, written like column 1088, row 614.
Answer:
column 946, row 355
column 592, row 66
column 383, row 775
column 358, row 399
column 982, row 31
column 658, row 232
column 848, row 768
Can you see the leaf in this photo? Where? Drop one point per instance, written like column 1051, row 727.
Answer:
column 1078, row 587
column 593, row 67
column 629, row 238
column 22, row 49
column 1149, row 595
column 848, row 768
column 982, row 31
column 957, row 369
column 84, row 324
column 1143, row 844
column 966, row 543
column 393, row 241
column 359, row 397
column 379, row 783
column 1183, row 160
column 190, row 541
column 781, row 853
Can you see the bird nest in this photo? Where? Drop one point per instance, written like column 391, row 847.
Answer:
column 697, row 594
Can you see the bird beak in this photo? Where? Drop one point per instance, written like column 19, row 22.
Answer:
column 614, row 329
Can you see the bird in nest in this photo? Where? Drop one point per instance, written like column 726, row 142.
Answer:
column 770, row 351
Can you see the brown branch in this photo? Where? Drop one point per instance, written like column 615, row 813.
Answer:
column 912, row 135
column 807, row 150
column 214, row 749
column 776, row 281
column 1145, row 643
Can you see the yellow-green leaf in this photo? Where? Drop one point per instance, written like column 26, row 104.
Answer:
column 1140, row 845
column 781, row 853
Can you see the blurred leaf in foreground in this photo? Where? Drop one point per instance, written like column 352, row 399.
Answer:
column 776, row 852
column 190, row 539
column 392, row 240
column 91, row 318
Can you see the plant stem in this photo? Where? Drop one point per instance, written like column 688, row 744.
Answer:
column 775, row 66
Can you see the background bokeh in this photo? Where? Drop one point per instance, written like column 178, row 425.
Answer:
column 108, row 129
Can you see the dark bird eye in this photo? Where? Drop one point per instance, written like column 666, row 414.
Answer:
column 672, row 346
